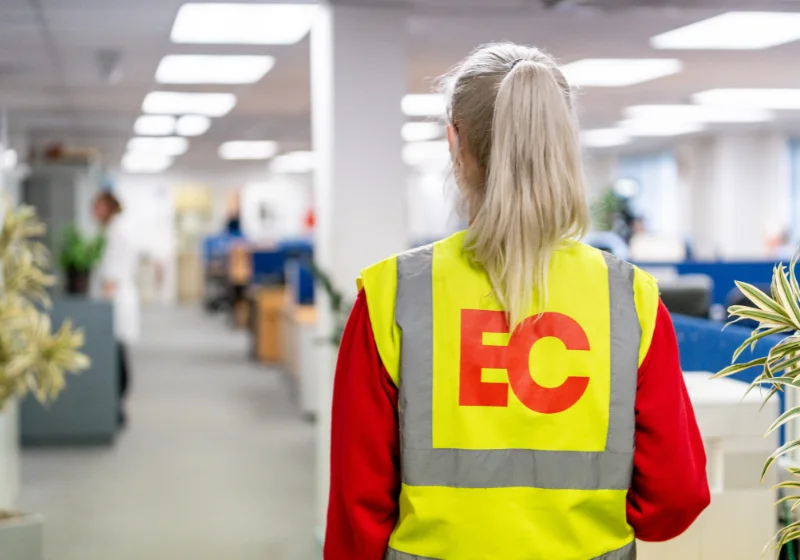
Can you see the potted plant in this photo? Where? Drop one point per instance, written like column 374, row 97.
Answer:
column 80, row 254
column 33, row 359
column 776, row 314
column 338, row 306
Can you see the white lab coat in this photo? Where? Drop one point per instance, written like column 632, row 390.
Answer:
column 119, row 265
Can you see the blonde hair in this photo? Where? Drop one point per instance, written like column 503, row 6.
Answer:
column 519, row 167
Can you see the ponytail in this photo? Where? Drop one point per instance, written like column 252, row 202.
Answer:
column 531, row 198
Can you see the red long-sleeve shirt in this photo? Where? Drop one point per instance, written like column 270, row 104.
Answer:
column 669, row 488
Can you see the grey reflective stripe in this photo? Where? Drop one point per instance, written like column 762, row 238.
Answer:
column 627, row 552
column 414, row 315
column 422, row 465
column 625, row 329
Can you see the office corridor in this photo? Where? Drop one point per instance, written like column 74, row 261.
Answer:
column 215, row 462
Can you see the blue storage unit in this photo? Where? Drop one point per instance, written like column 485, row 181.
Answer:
column 704, row 346
column 86, row 412
column 287, row 263
column 724, row 274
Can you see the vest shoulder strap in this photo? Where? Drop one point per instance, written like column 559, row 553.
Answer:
column 646, row 297
column 379, row 283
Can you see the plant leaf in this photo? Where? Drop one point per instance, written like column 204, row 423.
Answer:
column 755, row 337
column 786, row 296
column 771, row 394
column 785, row 365
column 765, row 318
column 759, row 298
column 787, row 498
column 735, row 368
column 783, row 418
column 777, row 454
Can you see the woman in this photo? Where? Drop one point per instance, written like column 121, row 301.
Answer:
column 566, row 436
column 115, row 280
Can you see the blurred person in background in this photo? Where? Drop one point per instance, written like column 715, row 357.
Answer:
column 435, row 453
column 115, row 281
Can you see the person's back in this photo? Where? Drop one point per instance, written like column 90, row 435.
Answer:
column 509, row 393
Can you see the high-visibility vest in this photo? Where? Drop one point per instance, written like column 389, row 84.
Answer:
column 513, row 445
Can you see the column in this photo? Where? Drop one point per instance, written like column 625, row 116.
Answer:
column 739, row 190
column 358, row 78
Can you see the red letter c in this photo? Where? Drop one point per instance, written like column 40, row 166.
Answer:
column 546, row 400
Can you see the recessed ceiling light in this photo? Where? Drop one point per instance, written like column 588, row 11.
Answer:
column 155, row 125
column 248, row 150
column 165, row 145
column 756, row 97
column 618, row 72
column 423, row 105
column 434, row 153
column 700, row 113
column 243, row 24
column 604, row 137
column 183, row 103
column 419, row 131
column 136, row 162
column 659, row 127
column 733, row 31
column 213, row 69
column 294, row 162
column 193, row 125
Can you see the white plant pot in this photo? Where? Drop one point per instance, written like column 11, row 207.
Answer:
column 9, row 455
column 22, row 538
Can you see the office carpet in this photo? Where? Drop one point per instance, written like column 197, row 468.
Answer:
column 215, row 462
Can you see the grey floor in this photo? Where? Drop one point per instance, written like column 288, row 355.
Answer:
column 215, row 463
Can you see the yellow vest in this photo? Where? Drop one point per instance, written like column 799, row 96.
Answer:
column 514, row 445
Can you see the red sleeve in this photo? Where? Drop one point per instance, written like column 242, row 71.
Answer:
column 670, row 488
column 365, row 448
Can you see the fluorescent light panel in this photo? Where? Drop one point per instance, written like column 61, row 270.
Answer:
column 240, row 150
column 193, row 125
column 604, row 137
column 423, row 105
column 243, row 24
column 750, row 98
column 659, row 127
column 163, row 145
column 184, row 103
column 700, row 113
column 213, row 69
column 420, row 131
column 619, row 72
column 733, row 31
column 294, row 162
column 154, row 125
column 137, row 162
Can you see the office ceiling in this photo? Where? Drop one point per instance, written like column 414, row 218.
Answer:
column 53, row 89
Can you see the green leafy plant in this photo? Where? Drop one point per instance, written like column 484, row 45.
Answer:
column 33, row 358
column 605, row 209
column 339, row 307
column 78, row 251
column 776, row 314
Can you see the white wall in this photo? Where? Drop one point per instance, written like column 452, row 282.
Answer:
column 731, row 193
column 600, row 170
column 735, row 189
column 433, row 205
column 285, row 199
